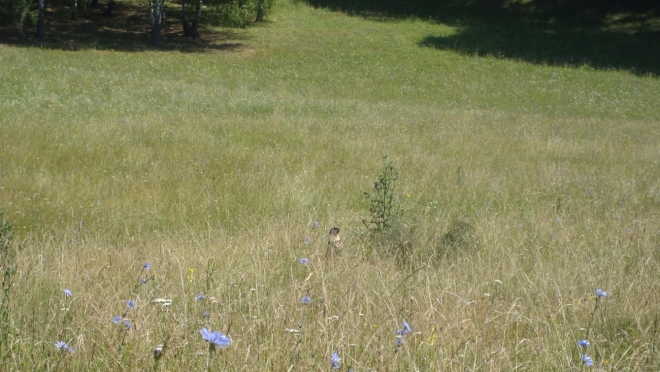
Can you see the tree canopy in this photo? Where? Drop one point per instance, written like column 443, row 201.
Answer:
column 116, row 21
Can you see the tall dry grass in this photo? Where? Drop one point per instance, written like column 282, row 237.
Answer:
column 213, row 167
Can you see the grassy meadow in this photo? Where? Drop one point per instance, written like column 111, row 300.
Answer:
column 213, row 165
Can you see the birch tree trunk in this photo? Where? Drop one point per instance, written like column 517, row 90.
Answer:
column 194, row 30
column 162, row 15
column 108, row 11
column 260, row 11
column 40, row 22
column 184, row 18
column 24, row 9
column 20, row 27
column 152, row 11
column 74, row 10
column 157, row 20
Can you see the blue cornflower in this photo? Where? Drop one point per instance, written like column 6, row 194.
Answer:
column 587, row 360
column 67, row 292
column 583, row 343
column 601, row 293
column 335, row 360
column 127, row 324
column 400, row 341
column 200, row 297
column 63, row 345
column 146, row 266
column 306, row 300
column 144, row 280
column 130, row 304
column 117, row 319
column 404, row 330
column 215, row 337
column 206, row 314
column 304, row 261
column 315, row 225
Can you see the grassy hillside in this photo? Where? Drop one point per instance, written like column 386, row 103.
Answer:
column 213, row 164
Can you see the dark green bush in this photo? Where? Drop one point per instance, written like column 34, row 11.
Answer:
column 460, row 237
column 238, row 13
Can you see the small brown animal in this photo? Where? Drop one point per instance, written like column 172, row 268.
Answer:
column 334, row 242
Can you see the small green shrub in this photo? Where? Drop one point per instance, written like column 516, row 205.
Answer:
column 239, row 13
column 387, row 233
column 460, row 237
column 383, row 204
column 398, row 241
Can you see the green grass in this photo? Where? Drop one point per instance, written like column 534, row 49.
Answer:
column 220, row 160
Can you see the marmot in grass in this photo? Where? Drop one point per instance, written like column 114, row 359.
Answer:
column 334, row 242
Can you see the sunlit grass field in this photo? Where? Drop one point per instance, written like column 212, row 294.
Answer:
column 213, row 166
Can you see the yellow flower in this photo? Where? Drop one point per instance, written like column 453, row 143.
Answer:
column 407, row 195
column 192, row 273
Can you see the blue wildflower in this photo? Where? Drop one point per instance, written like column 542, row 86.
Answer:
column 583, row 343
column 400, row 341
column 304, row 261
column 127, row 324
column 200, row 297
column 215, row 337
column 67, row 292
column 63, row 345
column 601, row 293
column 404, row 330
column 144, row 280
column 206, row 314
column 146, row 266
column 587, row 360
column 315, row 225
column 117, row 319
column 306, row 300
column 335, row 360
column 130, row 304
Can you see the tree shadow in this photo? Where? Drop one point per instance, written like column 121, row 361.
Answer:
column 601, row 34
column 127, row 30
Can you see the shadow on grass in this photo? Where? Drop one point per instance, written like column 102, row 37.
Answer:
column 127, row 30
column 601, row 34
